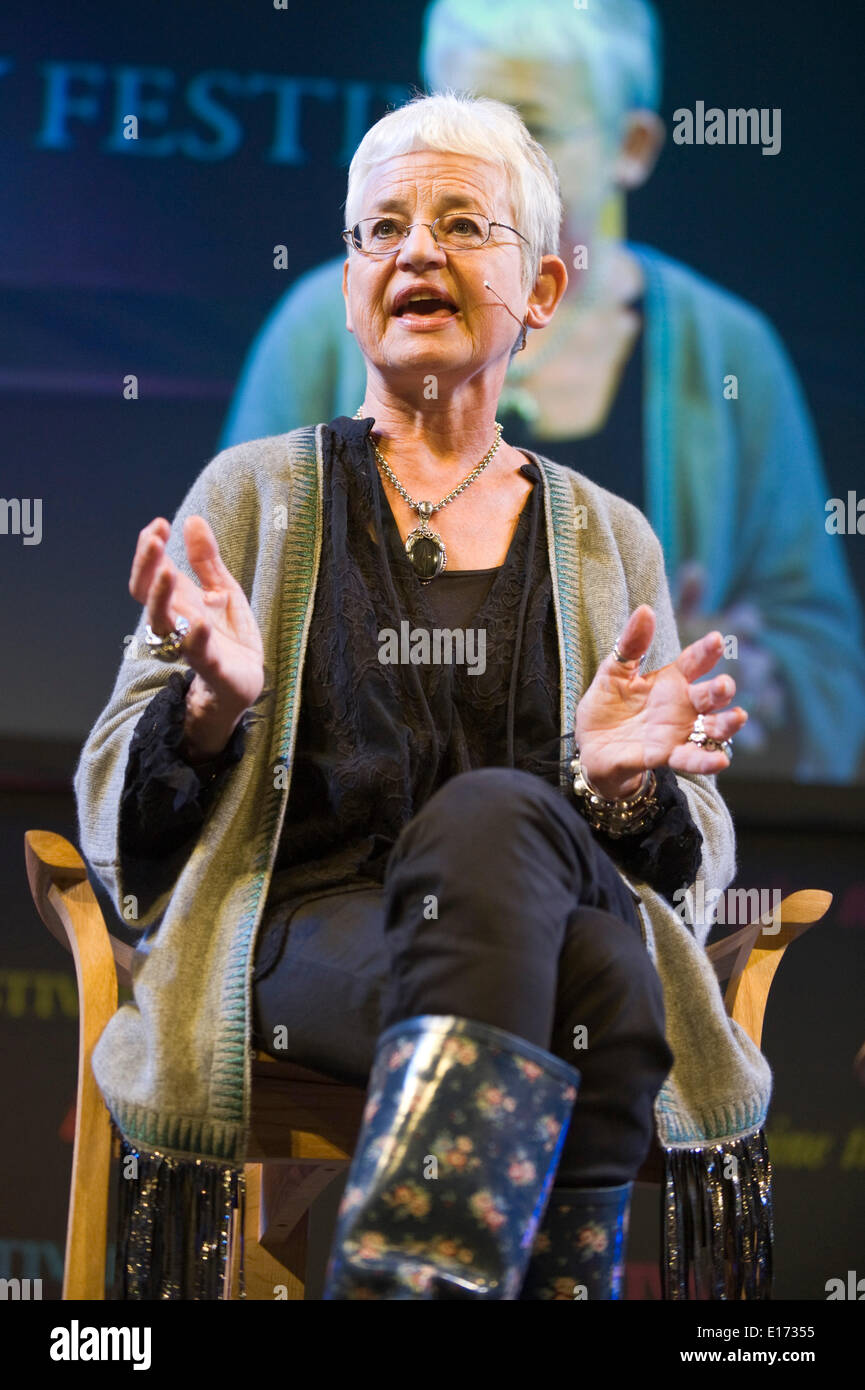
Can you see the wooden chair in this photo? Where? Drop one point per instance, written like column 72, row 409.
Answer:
column 304, row 1126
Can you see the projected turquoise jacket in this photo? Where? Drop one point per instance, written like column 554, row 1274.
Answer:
column 734, row 484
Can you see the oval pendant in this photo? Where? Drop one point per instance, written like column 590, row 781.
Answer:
column 425, row 549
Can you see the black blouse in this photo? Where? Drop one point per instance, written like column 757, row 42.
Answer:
column 376, row 736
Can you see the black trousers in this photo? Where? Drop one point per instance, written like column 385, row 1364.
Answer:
column 497, row 905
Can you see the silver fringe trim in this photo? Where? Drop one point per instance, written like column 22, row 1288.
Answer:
column 718, row 1222
column 174, row 1223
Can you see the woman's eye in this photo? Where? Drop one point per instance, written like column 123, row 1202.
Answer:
column 385, row 227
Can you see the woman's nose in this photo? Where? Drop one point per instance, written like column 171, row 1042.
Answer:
column 420, row 248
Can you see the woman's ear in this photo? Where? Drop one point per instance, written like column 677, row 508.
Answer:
column 642, row 141
column 345, row 296
column 547, row 292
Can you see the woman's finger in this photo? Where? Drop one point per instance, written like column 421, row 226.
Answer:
column 690, row 757
column 726, row 724
column 149, row 550
column 197, row 648
column 696, row 757
column 699, row 658
column 703, row 765
column 161, row 613
column 203, row 552
column 636, row 636
column 712, row 695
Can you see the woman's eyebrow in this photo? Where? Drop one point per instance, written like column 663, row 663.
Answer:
column 390, row 205
column 464, row 201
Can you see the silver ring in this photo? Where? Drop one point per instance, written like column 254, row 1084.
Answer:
column 626, row 660
column 699, row 736
column 698, row 733
column 166, row 648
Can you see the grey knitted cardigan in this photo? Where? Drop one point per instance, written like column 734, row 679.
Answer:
column 174, row 1066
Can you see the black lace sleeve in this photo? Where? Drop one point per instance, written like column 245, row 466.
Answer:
column 165, row 799
column 667, row 855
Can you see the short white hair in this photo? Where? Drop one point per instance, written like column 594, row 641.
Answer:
column 618, row 42
column 457, row 123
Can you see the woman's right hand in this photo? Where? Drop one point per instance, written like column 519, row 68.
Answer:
column 223, row 645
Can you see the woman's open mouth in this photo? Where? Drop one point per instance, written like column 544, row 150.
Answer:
column 425, row 311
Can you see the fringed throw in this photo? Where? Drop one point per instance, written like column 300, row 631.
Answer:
column 718, row 1228
column 174, row 1226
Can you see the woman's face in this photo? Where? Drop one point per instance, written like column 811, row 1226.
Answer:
column 477, row 330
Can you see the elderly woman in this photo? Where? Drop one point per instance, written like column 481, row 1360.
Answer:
column 419, row 801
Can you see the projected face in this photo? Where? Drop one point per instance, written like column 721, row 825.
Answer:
column 558, row 106
column 453, row 324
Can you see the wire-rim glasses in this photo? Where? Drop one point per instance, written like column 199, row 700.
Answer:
column 455, row 231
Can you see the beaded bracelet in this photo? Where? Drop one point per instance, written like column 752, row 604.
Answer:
column 623, row 816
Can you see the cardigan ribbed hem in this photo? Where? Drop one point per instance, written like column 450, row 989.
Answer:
column 706, row 1129
column 179, row 1136
column 225, row 1142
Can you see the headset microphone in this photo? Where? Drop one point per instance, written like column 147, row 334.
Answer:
column 522, row 322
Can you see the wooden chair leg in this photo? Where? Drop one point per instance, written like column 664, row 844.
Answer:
column 87, row 1226
column 67, row 905
column 279, row 1195
column 265, row 1278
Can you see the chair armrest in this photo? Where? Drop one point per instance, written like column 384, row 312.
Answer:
column 750, row 956
column 54, row 863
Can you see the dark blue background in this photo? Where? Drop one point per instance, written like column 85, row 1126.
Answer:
column 114, row 264
column 117, row 263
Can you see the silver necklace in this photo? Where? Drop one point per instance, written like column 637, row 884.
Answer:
column 424, row 546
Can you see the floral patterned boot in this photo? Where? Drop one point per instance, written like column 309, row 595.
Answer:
column 462, row 1133
column 579, row 1252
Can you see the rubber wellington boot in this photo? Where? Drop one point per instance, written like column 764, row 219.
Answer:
column 579, row 1251
column 462, row 1133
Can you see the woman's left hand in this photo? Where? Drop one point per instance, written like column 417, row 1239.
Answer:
column 627, row 722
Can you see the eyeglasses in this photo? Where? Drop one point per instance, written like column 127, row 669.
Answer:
column 456, row 231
